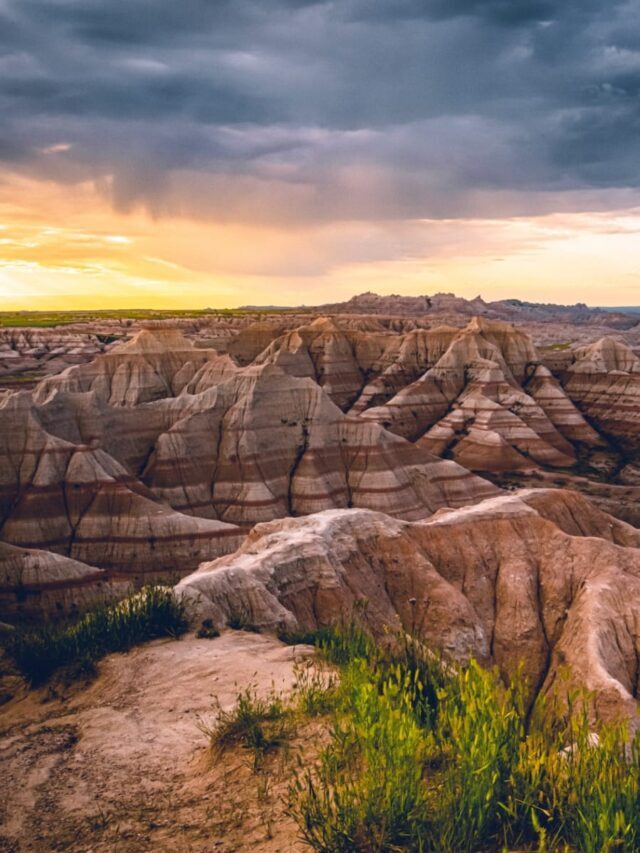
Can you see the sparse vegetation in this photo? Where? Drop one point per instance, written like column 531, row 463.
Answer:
column 207, row 630
column 45, row 319
column 338, row 644
column 431, row 757
column 315, row 688
column 150, row 613
column 259, row 725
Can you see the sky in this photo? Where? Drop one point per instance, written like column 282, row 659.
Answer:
column 212, row 153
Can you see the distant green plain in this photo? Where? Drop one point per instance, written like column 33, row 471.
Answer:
column 43, row 319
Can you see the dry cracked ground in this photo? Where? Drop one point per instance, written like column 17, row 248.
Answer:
column 120, row 764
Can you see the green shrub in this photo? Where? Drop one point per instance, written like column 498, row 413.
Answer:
column 338, row 644
column 428, row 756
column 259, row 725
column 366, row 792
column 315, row 689
column 150, row 613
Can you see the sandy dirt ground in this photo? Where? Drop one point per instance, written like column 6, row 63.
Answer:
column 120, row 764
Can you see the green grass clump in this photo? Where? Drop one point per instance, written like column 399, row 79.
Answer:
column 150, row 613
column 338, row 644
column 47, row 319
column 367, row 792
column 315, row 689
column 259, row 725
column 428, row 756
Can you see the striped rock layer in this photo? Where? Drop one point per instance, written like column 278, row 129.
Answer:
column 36, row 583
column 159, row 455
column 604, row 381
column 480, row 395
column 539, row 578
column 488, row 402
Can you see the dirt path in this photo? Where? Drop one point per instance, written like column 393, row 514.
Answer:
column 121, row 765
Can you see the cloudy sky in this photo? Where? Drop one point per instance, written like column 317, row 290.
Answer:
column 222, row 152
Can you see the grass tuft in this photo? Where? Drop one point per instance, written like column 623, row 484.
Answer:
column 338, row 644
column 425, row 755
column 315, row 689
column 145, row 615
column 259, row 725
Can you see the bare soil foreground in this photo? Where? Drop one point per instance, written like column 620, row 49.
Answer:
column 121, row 765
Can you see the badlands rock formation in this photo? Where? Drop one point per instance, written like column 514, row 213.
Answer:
column 35, row 583
column 506, row 309
column 137, row 462
column 487, row 401
column 160, row 454
column 541, row 577
column 481, row 395
column 29, row 354
column 604, row 380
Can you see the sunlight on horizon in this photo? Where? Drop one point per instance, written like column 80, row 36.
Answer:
column 100, row 259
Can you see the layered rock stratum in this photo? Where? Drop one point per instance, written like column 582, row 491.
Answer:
column 541, row 579
column 159, row 454
column 504, row 309
column 308, row 463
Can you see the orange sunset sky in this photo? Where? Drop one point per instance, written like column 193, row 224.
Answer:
column 67, row 250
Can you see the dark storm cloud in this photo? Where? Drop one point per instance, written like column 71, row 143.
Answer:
column 324, row 110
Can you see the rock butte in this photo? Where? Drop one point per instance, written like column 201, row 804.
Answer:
column 350, row 442
column 541, row 577
column 158, row 455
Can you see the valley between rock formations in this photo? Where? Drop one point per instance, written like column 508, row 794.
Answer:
column 472, row 481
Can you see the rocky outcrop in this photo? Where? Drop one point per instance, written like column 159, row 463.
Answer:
column 27, row 355
column 77, row 500
column 265, row 444
column 159, row 455
column 337, row 360
column 156, row 363
column 447, row 304
column 540, row 577
column 490, row 404
column 36, row 584
column 604, row 381
column 562, row 412
column 254, row 339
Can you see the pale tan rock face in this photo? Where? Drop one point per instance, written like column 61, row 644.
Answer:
column 604, row 381
column 539, row 577
column 489, row 403
column 77, row 500
column 35, row 584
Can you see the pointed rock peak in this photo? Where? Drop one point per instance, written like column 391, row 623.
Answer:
column 541, row 372
column 608, row 354
column 323, row 324
column 93, row 465
column 17, row 401
column 157, row 339
column 481, row 324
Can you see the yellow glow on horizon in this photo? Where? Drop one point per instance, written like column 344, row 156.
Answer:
column 65, row 248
